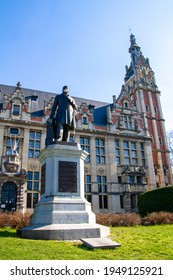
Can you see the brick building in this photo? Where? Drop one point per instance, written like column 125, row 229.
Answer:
column 126, row 142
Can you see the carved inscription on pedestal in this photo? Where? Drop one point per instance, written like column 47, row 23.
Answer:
column 67, row 176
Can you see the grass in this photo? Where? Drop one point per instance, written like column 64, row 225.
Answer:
column 137, row 243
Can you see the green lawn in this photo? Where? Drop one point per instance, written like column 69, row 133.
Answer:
column 137, row 243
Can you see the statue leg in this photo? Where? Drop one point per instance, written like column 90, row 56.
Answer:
column 59, row 132
column 66, row 133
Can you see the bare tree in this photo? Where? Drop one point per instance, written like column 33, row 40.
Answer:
column 170, row 144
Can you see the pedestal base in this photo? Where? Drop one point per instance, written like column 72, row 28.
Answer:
column 63, row 213
column 64, row 231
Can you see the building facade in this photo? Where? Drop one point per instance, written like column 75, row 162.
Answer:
column 126, row 142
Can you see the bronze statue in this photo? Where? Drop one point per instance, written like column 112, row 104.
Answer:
column 62, row 118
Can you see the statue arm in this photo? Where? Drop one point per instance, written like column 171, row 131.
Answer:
column 55, row 104
column 72, row 102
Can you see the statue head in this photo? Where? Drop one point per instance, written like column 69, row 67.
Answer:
column 65, row 89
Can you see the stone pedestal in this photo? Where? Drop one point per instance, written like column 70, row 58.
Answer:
column 62, row 212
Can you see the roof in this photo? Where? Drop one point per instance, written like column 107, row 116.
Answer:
column 46, row 96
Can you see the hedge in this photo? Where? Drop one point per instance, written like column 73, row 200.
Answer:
column 156, row 200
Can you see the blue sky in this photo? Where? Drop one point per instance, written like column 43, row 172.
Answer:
column 84, row 43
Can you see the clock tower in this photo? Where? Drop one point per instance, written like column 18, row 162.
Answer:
column 141, row 84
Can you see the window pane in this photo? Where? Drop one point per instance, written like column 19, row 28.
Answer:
column 97, row 142
column 126, row 153
column 81, row 140
column 117, row 152
column 14, row 130
column 38, row 135
column 29, row 177
column 9, row 142
column 29, row 185
column 16, row 109
column 31, row 144
column 133, row 146
column 116, row 143
column 31, row 154
column 99, row 179
column 105, row 201
column 102, row 159
column 36, row 175
column 8, row 151
column 97, row 159
column 119, row 179
column 87, row 141
column 126, row 145
column 32, row 135
column 104, row 179
column 88, row 188
column 131, row 179
column 134, row 161
column 37, row 144
column 36, row 186
column 142, row 146
column 117, row 160
column 101, row 142
column 139, row 179
column 36, row 153
column 87, row 159
column 127, row 161
column 29, row 197
column 35, row 199
column 134, row 154
column 88, row 178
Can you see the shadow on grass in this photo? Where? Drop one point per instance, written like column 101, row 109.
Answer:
column 6, row 233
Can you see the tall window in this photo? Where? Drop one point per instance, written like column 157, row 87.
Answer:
column 85, row 145
column 134, row 154
column 32, row 188
column 12, row 146
column 34, row 143
column 102, row 189
column 142, row 154
column 134, row 200
column 32, row 199
column 33, row 181
column 126, row 152
column 117, row 152
column 130, row 153
column 100, row 151
column 88, row 188
column 87, row 183
column 127, row 122
column 102, row 186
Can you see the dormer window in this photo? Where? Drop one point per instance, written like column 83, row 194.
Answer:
column 84, row 120
column 34, row 98
column 16, row 110
column 125, row 104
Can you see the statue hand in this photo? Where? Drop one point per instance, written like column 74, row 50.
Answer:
column 49, row 122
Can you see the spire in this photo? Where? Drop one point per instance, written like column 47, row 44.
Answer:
column 134, row 50
column 18, row 85
column 133, row 46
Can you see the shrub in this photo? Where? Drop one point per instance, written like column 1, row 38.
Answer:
column 156, row 200
column 157, row 218
column 14, row 219
column 129, row 219
column 132, row 219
